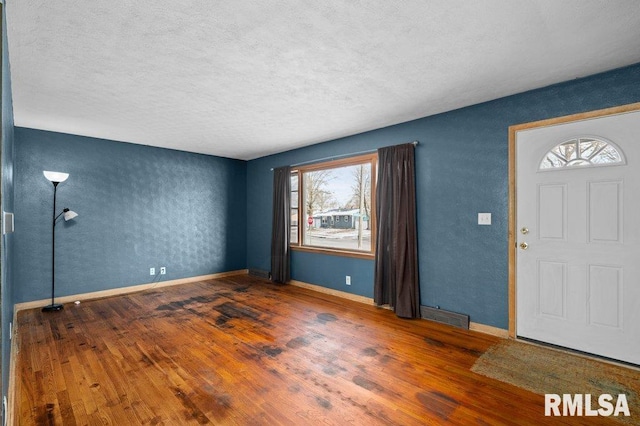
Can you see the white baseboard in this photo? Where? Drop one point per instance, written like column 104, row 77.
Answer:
column 488, row 329
column 125, row 290
column 482, row 328
column 13, row 373
column 332, row 292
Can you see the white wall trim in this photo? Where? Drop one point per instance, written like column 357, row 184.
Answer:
column 332, row 292
column 125, row 290
column 482, row 328
column 489, row 329
column 13, row 372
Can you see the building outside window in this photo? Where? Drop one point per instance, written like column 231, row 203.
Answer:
column 335, row 202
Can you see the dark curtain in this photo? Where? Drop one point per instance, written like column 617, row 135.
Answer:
column 280, row 229
column 396, row 266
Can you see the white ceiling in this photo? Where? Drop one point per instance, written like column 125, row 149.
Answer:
column 244, row 79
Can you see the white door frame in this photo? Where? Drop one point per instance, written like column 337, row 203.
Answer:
column 513, row 190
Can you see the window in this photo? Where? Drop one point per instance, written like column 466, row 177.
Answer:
column 582, row 152
column 324, row 193
column 294, row 209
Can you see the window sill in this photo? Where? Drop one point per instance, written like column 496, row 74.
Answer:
column 334, row 252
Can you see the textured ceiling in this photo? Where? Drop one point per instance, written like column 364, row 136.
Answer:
column 244, row 79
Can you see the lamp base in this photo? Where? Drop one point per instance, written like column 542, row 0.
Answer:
column 52, row 308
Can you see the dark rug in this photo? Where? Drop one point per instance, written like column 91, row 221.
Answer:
column 545, row 370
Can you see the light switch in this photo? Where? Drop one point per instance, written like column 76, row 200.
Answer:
column 7, row 222
column 484, row 218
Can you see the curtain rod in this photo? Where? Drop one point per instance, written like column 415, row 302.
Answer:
column 337, row 157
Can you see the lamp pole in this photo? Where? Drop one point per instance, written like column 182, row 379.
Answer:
column 55, row 178
column 53, row 306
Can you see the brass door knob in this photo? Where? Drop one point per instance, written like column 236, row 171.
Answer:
column 524, row 230
column 524, row 245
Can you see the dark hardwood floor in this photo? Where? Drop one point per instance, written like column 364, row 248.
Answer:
column 241, row 350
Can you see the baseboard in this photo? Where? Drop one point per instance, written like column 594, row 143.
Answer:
column 482, row 328
column 125, row 290
column 332, row 292
column 13, row 372
column 488, row 329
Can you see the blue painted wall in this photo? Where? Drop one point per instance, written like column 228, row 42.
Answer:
column 138, row 206
column 6, row 280
column 461, row 170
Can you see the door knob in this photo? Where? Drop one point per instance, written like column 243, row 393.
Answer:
column 524, row 245
column 524, row 230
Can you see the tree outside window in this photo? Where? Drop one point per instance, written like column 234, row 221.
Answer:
column 337, row 206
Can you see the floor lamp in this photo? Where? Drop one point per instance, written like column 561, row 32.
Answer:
column 55, row 178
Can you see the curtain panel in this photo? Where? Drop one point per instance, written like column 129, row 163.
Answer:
column 281, row 229
column 396, row 262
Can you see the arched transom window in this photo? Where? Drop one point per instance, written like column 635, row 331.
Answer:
column 582, row 152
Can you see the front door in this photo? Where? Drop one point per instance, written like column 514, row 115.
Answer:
column 578, row 235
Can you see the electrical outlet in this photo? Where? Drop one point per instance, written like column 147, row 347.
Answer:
column 348, row 280
column 152, row 271
column 163, row 270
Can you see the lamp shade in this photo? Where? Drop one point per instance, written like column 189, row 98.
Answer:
column 69, row 214
column 55, row 176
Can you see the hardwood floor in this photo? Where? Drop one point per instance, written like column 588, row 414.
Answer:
column 241, row 350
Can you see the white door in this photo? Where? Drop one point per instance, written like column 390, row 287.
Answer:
column 578, row 235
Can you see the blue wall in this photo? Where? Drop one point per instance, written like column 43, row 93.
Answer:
column 138, row 206
column 6, row 280
column 461, row 170
column 144, row 207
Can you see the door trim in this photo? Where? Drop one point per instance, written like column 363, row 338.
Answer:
column 512, row 232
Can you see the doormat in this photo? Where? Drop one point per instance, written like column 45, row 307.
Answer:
column 544, row 370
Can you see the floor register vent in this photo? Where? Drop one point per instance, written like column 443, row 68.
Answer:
column 445, row 317
column 260, row 273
